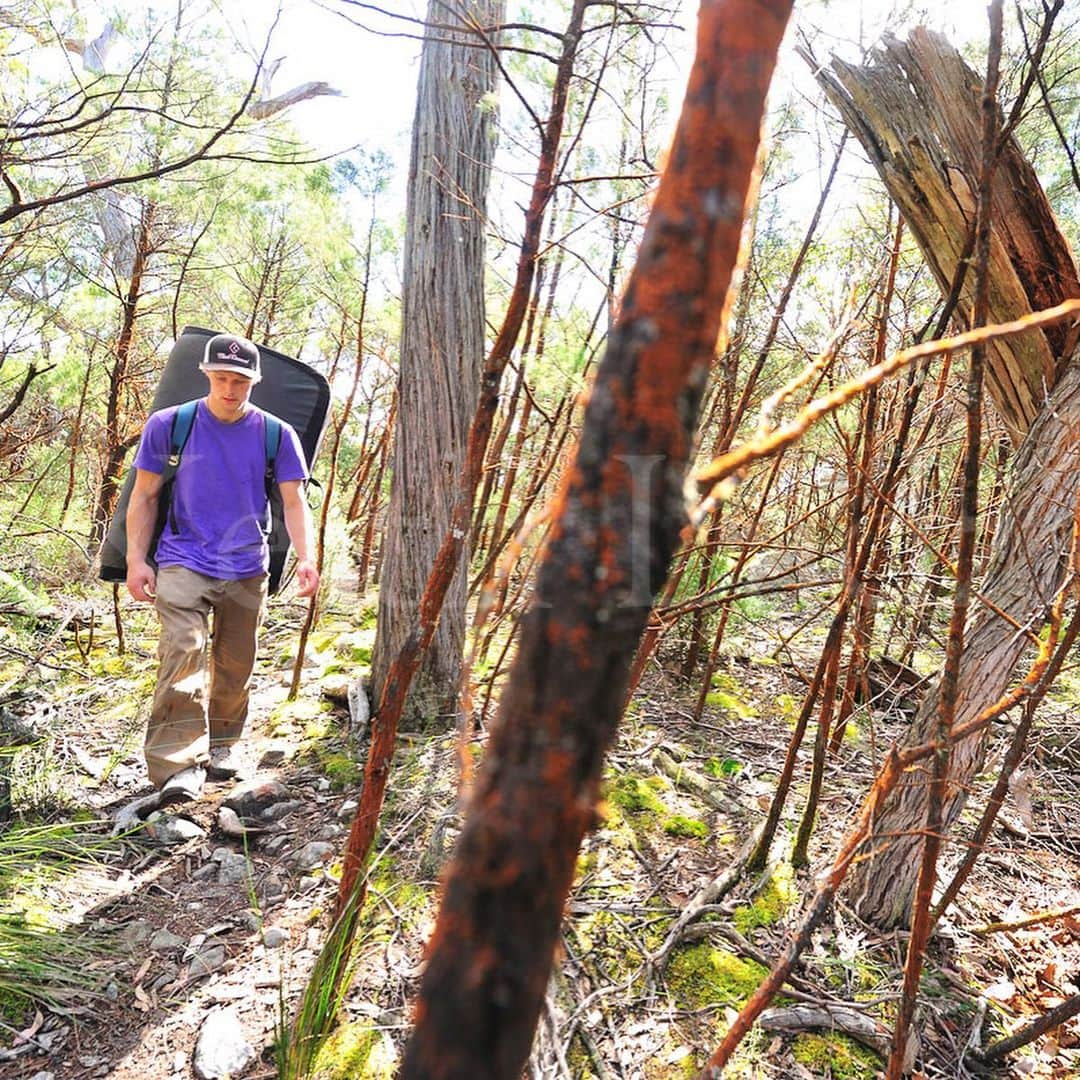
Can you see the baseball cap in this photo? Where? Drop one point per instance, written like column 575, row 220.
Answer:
column 229, row 352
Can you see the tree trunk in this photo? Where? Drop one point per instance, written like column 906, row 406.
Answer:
column 442, row 347
column 609, row 550
column 916, row 112
column 1027, row 568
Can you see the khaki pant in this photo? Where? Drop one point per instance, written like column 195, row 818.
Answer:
column 184, row 724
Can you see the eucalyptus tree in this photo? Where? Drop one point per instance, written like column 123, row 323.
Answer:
column 442, row 336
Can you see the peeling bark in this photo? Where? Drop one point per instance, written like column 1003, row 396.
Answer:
column 1027, row 567
column 916, row 111
column 442, row 352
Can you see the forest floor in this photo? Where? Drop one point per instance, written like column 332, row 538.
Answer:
column 180, row 923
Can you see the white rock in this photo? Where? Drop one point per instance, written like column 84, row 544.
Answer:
column 221, row 1049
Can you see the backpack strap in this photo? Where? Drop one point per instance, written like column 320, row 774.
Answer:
column 272, row 432
column 182, row 422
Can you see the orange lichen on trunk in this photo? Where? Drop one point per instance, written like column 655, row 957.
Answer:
column 608, row 553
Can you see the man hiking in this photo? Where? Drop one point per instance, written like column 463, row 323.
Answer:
column 212, row 556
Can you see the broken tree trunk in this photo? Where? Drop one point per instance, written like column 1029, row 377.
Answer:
column 915, row 109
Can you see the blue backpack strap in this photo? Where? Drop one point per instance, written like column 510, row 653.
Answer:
column 178, row 437
column 272, row 432
column 183, row 419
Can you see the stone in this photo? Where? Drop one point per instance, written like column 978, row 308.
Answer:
column 164, row 941
column 170, row 829
column 314, row 854
column 250, row 921
column 221, row 1049
column 347, row 810
column 234, row 869
column 208, row 960
column 272, row 759
column 280, row 810
column 135, row 933
column 250, row 799
column 131, row 815
column 166, row 975
column 335, row 688
column 274, row 937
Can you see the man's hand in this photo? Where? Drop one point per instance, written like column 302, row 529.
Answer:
column 142, row 581
column 307, row 578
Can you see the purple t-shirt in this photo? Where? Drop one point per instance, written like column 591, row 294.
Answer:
column 219, row 493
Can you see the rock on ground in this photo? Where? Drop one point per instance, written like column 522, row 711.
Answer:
column 221, row 1049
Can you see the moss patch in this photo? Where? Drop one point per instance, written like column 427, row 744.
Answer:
column 310, row 715
column 777, row 895
column 688, row 828
column 342, row 770
column 721, row 699
column 355, row 1050
column 633, row 795
column 718, row 768
column 701, row 976
column 835, row 1056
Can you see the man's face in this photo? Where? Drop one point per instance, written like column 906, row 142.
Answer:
column 229, row 392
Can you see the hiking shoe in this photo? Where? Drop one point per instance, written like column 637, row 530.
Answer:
column 184, row 786
column 225, row 764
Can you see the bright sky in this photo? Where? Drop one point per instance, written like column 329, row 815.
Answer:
column 376, row 71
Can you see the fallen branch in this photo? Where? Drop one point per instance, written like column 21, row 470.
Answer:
column 1057, row 1015
column 1030, row 920
column 701, row 786
column 841, row 1018
column 708, row 895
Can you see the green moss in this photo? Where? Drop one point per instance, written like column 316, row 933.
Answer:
column 701, row 976
column 586, row 864
column 788, row 707
column 633, row 795
column 689, row 828
column 721, row 699
column 354, row 648
column 602, row 939
column 356, row 1051
column 13, row 1005
column 718, row 768
column 672, row 1063
column 777, row 895
column 323, row 640
column 835, row 1056
column 394, row 900
column 342, row 770
column 21, row 597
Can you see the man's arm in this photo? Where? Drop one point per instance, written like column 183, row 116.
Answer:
column 141, row 517
column 301, row 535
